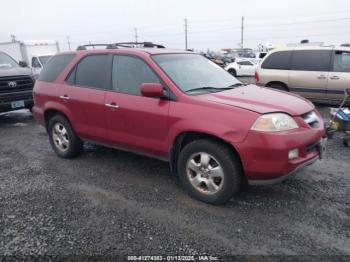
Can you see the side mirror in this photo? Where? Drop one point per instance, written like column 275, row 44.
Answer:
column 152, row 90
column 23, row 64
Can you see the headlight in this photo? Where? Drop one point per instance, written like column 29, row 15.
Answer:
column 274, row 122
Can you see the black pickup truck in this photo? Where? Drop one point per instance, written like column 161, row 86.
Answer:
column 16, row 84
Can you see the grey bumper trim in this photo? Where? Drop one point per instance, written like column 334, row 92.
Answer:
column 281, row 178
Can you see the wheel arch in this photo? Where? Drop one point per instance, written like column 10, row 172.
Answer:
column 186, row 137
column 269, row 84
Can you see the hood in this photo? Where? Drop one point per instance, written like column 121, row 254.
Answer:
column 15, row 71
column 261, row 100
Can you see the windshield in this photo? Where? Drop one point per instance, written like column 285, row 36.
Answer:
column 195, row 72
column 6, row 61
column 44, row 59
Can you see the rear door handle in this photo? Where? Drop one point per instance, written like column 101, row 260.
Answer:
column 335, row 77
column 64, row 97
column 321, row 77
column 111, row 105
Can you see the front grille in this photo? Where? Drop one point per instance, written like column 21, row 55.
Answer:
column 26, row 95
column 22, row 83
column 311, row 119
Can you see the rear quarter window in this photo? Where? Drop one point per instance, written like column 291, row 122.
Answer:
column 278, row 60
column 54, row 67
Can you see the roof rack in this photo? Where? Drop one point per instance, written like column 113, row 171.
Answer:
column 123, row 44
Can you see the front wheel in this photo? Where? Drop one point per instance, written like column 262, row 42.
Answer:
column 209, row 172
column 63, row 139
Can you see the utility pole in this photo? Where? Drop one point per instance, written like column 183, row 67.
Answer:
column 13, row 38
column 242, row 30
column 68, row 42
column 186, row 33
column 136, row 35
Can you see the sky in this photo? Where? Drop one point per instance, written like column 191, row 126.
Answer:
column 212, row 24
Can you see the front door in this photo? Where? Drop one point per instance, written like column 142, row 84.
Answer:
column 133, row 121
column 309, row 73
column 339, row 77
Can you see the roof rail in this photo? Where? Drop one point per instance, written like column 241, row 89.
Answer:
column 123, row 44
column 84, row 47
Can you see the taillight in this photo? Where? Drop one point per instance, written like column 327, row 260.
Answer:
column 256, row 76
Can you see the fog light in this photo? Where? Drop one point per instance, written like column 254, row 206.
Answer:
column 294, row 153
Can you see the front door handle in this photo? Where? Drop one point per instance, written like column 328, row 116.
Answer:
column 64, row 97
column 335, row 78
column 321, row 77
column 111, row 105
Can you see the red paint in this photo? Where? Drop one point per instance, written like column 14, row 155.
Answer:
column 151, row 125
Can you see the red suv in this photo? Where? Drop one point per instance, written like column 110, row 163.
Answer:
column 216, row 132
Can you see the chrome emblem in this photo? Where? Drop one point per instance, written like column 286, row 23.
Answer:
column 12, row 84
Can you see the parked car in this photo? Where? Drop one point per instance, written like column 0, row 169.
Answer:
column 241, row 67
column 217, row 133
column 34, row 53
column 16, row 84
column 320, row 73
column 217, row 61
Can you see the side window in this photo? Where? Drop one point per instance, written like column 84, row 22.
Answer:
column 278, row 60
column 54, row 67
column 341, row 61
column 129, row 73
column 35, row 62
column 245, row 63
column 311, row 60
column 91, row 71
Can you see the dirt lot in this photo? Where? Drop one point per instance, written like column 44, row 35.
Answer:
column 108, row 202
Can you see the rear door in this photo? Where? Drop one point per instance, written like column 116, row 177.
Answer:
column 339, row 77
column 84, row 95
column 133, row 121
column 246, row 68
column 309, row 73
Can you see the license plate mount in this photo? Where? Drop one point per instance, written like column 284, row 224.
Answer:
column 17, row 104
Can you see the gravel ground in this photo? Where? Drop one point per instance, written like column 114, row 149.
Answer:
column 108, row 202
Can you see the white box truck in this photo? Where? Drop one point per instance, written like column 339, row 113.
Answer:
column 34, row 53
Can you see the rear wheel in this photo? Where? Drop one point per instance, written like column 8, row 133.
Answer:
column 232, row 72
column 209, row 172
column 278, row 86
column 63, row 139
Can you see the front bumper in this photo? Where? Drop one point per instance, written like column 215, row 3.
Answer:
column 265, row 155
column 25, row 97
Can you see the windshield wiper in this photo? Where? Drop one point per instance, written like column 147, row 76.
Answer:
column 209, row 88
column 238, row 84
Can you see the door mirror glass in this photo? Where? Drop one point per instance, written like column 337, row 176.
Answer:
column 152, row 90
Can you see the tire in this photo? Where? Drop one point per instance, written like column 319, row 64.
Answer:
column 203, row 179
column 346, row 141
column 63, row 139
column 278, row 86
column 232, row 72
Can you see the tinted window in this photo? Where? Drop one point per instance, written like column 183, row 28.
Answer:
column 341, row 61
column 129, row 73
column 35, row 62
column 54, row 67
column 245, row 63
column 311, row 60
column 92, row 71
column 278, row 60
